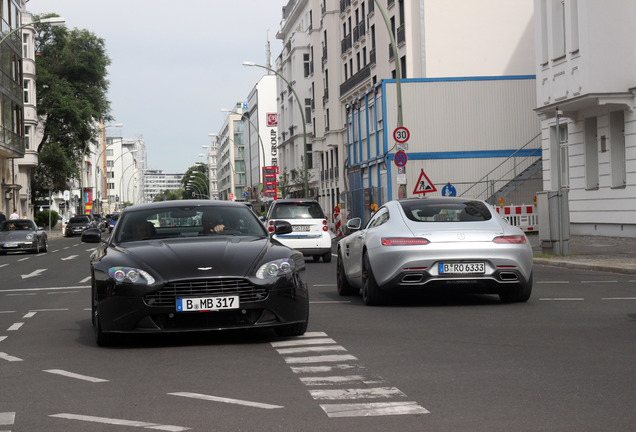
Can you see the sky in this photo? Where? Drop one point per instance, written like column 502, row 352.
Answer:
column 175, row 65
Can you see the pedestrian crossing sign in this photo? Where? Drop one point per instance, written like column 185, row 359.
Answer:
column 424, row 185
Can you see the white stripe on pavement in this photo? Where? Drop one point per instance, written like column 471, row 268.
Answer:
column 44, row 289
column 15, row 326
column 339, row 380
column 226, row 400
column 325, row 368
column 364, row 393
column 562, row 298
column 311, row 349
column 7, row 357
column 3, row 338
column 7, row 418
column 119, row 422
column 619, row 298
column 299, row 342
column 319, row 359
column 29, row 315
column 74, row 375
column 373, row 409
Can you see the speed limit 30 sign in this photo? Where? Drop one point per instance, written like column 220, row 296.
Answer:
column 401, row 134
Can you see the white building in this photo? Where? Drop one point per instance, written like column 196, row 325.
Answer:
column 156, row 182
column 585, row 63
column 125, row 165
column 336, row 51
column 231, row 156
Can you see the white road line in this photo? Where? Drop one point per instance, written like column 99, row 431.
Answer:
column 619, row 298
column 226, row 400
column 74, row 375
column 331, row 302
column 302, row 342
column 373, row 409
column 319, row 359
column 119, row 422
column 33, row 273
column 364, row 393
column 44, row 289
column 29, row 315
column 340, row 380
column 61, row 292
column 3, row 338
column 7, row 357
column 562, row 299
column 6, row 312
column 23, row 259
column 553, row 282
column 25, row 294
column 326, row 368
column 312, row 335
column 70, row 257
column 324, row 285
column 7, row 418
column 86, row 279
column 311, row 349
column 48, row 310
column 15, row 326
column 3, row 265
column 600, row 281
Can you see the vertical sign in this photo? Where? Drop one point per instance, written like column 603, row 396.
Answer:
column 269, row 181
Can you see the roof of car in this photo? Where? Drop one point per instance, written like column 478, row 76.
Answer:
column 182, row 203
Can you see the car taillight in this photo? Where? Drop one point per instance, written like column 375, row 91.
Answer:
column 324, row 225
column 516, row 239
column 404, row 241
column 271, row 226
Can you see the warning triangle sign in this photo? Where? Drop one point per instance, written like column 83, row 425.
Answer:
column 424, row 185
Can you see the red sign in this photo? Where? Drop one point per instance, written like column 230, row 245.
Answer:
column 424, row 185
column 272, row 119
column 269, row 181
column 401, row 134
column 400, row 158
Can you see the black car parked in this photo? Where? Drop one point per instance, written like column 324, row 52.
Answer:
column 78, row 224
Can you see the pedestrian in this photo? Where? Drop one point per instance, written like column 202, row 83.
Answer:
column 2, row 217
column 14, row 215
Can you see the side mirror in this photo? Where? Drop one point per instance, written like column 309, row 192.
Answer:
column 92, row 235
column 282, row 227
column 354, row 224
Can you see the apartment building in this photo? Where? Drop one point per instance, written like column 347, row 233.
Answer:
column 156, row 182
column 231, row 156
column 585, row 62
column 337, row 51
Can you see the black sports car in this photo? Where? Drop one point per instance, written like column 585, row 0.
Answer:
column 181, row 266
column 22, row 235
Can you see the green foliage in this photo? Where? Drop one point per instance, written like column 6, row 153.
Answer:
column 170, row 195
column 41, row 219
column 71, row 98
column 196, row 180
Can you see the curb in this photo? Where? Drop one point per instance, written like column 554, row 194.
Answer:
column 583, row 266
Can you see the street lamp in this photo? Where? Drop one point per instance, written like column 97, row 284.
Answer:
column 302, row 115
column 53, row 21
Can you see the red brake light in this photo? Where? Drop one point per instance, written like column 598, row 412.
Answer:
column 404, row 241
column 324, row 225
column 510, row 239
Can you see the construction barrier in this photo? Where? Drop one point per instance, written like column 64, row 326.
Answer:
column 523, row 216
column 337, row 221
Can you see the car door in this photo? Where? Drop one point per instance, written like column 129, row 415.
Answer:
column 354, row 248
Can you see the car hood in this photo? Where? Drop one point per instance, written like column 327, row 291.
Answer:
column 196, row 258
column 8, row 236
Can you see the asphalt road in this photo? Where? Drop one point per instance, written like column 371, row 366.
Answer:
column 564, row 361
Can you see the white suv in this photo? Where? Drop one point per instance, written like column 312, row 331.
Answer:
column 310, row 233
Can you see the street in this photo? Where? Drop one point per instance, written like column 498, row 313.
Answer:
column 562, row 361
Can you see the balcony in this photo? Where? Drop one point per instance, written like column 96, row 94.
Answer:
column 346, row 44
column 355, row 80
column 401, row 35
column 372, row 56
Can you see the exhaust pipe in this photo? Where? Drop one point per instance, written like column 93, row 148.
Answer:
column 508, row 276
column 412, row 278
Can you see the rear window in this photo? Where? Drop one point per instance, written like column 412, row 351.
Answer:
column 79, row 219
column 428, row 210
column 298, row 210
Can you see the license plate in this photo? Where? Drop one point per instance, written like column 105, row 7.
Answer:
column 462, row 268
column 205, row 304
column 10, row 245
column 300, row 227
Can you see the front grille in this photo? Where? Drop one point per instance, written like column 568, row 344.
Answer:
column 166, row 296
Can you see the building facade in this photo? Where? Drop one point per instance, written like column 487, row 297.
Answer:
column 337, row 51
column 586, row 57
column 156, row 182
column 125, row 166
column 231, row 157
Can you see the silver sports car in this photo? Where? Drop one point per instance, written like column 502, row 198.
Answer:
column 436, row 242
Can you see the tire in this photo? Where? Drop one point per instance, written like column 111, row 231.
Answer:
column 36, row 249
column 46, row 245
column 519, row 294
column 371, row 294
column 327, row 257
column 342, row 284
column 102, row 339
column 297, row 329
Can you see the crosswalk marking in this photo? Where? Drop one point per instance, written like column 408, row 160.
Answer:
column 320, row 359
column 311, row 349
column 373, row 409
column 7, row 357
column 75, row 375
column 339, row 380
column 362, row 393
column 119, row 422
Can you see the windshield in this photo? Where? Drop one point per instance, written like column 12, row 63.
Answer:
column 298, row 210
column 17, row 226
column 188, row 222
column 431, row 210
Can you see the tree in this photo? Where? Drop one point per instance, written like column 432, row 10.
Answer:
column 301, row 176
column 71, row 99
column 284, row 183
column 169, row 195
column 196, row 182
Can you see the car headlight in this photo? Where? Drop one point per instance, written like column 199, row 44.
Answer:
column 130, row 275
column 276, row 268
column 29, row 237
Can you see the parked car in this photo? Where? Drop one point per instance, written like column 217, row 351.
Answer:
column 76, row 225
column 22, row 235
column 428, row 243
column 310, row 233
column 112, row 222
column 214, row 267
column 101, row 222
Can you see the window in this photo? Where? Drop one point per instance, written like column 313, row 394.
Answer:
column 27, row 91
column 562, row 147
column 558, row 29
column 27, row 137
column 306, row 64
column 307, row 110
column 617, row 149
column 26, row 46
column 591, row 154
column 574, row 26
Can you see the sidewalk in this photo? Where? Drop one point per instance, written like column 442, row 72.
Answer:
column 610, row 254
